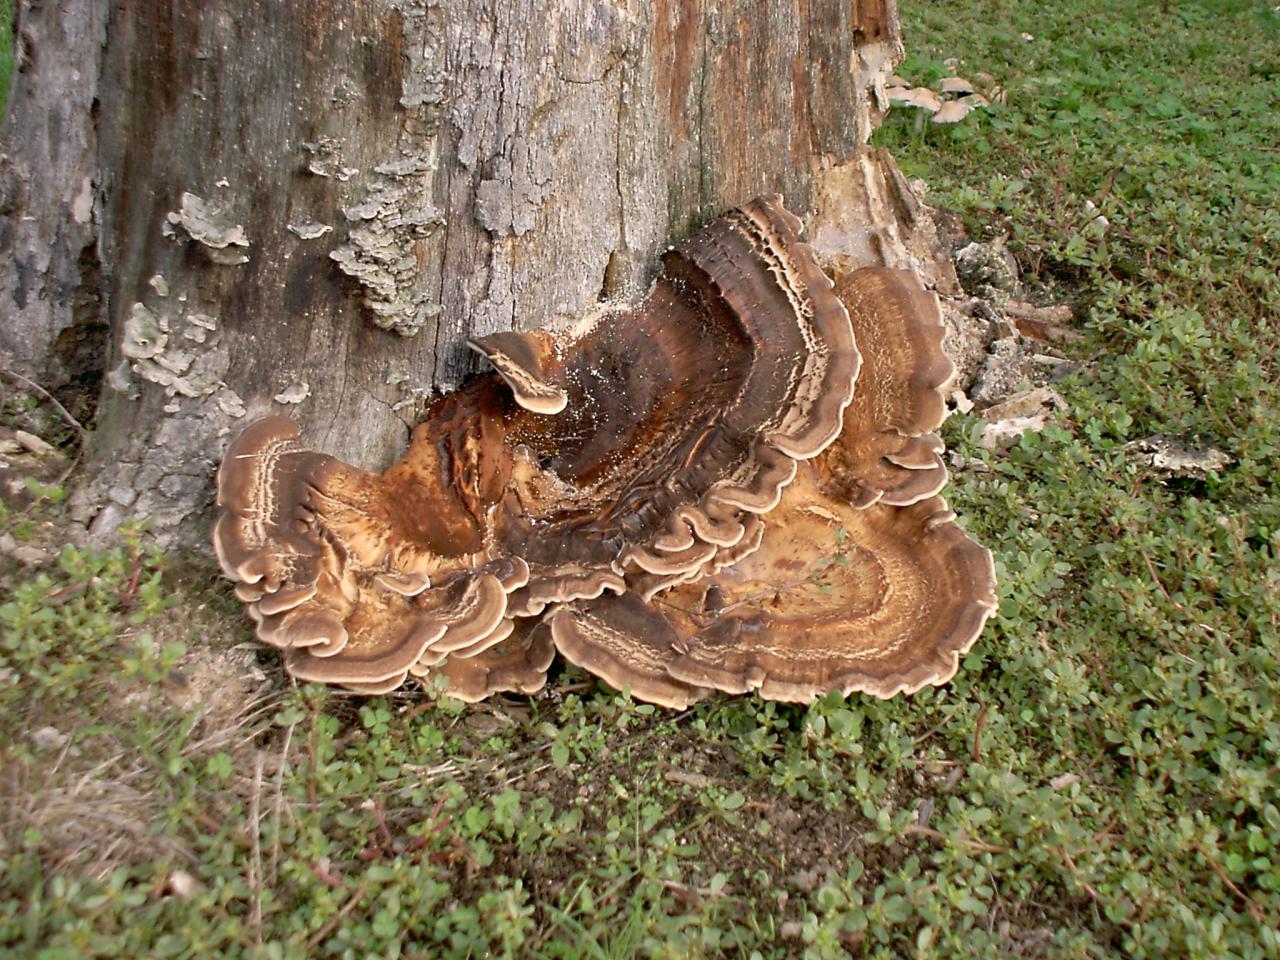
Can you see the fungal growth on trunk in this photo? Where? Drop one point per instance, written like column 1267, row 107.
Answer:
column 730, row 486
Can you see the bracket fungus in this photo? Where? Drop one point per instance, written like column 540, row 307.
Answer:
column 732, row 485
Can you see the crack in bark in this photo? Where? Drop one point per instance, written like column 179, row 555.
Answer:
column 392, row 409
column 617, row 161
column 810, row 123
column 604, row 75
column 702, row 112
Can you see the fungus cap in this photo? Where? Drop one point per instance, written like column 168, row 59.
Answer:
column 629, row 492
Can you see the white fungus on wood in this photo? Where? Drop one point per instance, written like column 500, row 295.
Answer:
column 380, row 253
column 325, row 160
column 212, row 226
column 118, row 379
column 309, row 230
column 294, row 393
column 143, row 335
column 229, row 402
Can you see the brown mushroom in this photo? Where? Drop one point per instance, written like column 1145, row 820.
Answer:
column 859, row 579
column 887, row 450
column 921, row 97
column 560, row 584
column 953, row 111
column 516, row 665
column 626, row 643
column 634, row 483
column 253, row 537
column 630, row 451
column 390, row 635
column 383, row 643
column 687, row 410
column 521, row 359
column 886, row 606
column 881, row 600
column 319, row 546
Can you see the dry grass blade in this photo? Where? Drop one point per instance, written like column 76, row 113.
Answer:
column 255, row 865
column 66, row 414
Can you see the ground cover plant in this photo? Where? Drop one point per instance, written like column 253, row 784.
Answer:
column 1102, row 778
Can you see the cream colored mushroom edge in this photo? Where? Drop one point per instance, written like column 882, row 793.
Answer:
column 733, row 485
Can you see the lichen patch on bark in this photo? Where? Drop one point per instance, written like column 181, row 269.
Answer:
column 213, row 226
column 382, row 253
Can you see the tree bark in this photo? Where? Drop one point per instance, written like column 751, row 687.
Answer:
column 51, row 326
column 306, row 206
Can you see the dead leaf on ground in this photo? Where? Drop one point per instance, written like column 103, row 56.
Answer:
column 1185, row 457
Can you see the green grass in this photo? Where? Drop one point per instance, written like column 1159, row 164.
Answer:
column 1102, row 778
column 7, row 14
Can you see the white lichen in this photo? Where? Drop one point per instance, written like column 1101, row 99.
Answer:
column 309, row 230
column 404, row 167
column 380, row 252
column 230, row 403
column 199, row 326
column 151, row 354
column 82, row 205
column 326, row 160
column 176, row 360
column 144, row 337
column 294, row 393
column 149, row 369
column 119, row 379
column 213, row 227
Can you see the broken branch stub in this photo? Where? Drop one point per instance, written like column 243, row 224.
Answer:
column 731, row 485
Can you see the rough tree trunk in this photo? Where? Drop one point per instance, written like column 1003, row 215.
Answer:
column 226, row 208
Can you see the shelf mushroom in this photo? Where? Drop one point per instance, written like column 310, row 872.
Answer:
column 732, row 485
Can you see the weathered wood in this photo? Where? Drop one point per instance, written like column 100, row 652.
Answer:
column 51, row 325
column 480, row 167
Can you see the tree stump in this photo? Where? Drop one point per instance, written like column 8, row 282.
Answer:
column 215, row 210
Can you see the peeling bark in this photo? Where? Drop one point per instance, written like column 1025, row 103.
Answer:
column 306, row 207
